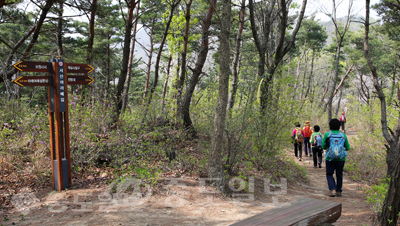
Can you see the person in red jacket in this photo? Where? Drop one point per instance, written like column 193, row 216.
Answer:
column 342, row 120
column 307, row 135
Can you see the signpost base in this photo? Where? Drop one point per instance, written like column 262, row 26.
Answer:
column 64, row 173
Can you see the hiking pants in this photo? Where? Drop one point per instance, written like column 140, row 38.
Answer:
column 307, row 144
column 342, row 125
column 298, row 145
column 331, row 167
column 317, row 153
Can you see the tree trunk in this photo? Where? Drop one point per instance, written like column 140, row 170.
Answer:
column 93, row 9
column 161, row 47
column 311, row 76
column 59, row 29
column 146, row 87
column 334, row 82
column 202, row 56
column 340, row 100
column 215, row 170
column 303, row 84
column 391, row 205
column 108, row 65
column 235, row 76
column 166, row 81
column 181, row 80
column 132, row 51
column 125, row 57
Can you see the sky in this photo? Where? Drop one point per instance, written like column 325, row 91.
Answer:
column 342, row 8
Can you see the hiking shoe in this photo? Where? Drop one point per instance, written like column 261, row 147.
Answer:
column 332, row 193
column 310, row 155
column 338, row 194
column 319, row 165
column 299, row 159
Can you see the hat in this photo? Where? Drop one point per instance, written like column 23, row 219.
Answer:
column 342, row 113
column 307, row 123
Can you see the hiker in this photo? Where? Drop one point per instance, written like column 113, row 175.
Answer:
column 342, row 120
column 297, row 136
column 337, row 145
column 307, row 135
column 316, row 146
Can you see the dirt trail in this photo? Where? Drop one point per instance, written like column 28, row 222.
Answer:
column 184, row 203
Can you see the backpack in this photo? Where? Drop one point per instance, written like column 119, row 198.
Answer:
column 307, row 131
column 298, row 135
column 336, row 148
column 343, row 118
column 318, row 141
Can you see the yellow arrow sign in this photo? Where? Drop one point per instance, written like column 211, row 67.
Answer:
column 79, row 68
column 30, row 66
column 16, row 81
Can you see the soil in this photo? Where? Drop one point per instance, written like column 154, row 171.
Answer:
column 180, row 201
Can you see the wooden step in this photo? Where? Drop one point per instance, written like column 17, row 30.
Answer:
column 304, row 211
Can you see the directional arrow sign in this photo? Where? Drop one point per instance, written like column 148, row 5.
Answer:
column 32, row 81
column 29, row 66
column 79, row 80
column 79, row 68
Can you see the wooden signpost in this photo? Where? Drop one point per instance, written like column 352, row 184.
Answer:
column 57, row 80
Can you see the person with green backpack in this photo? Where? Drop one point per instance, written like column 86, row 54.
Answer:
column 337, row 145
column 316, row 146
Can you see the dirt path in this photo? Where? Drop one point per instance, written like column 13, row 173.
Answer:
column 182, row 201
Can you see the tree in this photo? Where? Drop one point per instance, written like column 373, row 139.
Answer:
column 9, row 71
column 125, row 56
column 215, row 169
column 197, row 70
column 173, row 4
column 234, row 69
column 130, row 65
column 340, row 32
column 264, row 15
column 391, row 205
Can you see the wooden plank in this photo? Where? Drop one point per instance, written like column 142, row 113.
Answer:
column 304, row 211
column 52, row 146
column 66, row 126
column 58, row 127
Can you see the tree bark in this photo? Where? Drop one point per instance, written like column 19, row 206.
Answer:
column 93, row 9
column 279, row 48
column 146, row 87
column 235, row 76
column 215, row 170
column 125, row 57
column 132, row 51
column 202, row 56
column 184, row 51
column 166, row 81
column 311, row 76
column 60, row 50
column 160, row 50
column 108, row 65
column 391, row 205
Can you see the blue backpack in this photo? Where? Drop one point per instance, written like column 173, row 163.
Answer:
column 318, row 141
column 336, row 148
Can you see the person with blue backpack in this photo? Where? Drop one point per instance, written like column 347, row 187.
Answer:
column 316, row 146
column 337, row 145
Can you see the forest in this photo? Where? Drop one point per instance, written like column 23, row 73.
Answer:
column 203, row 89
